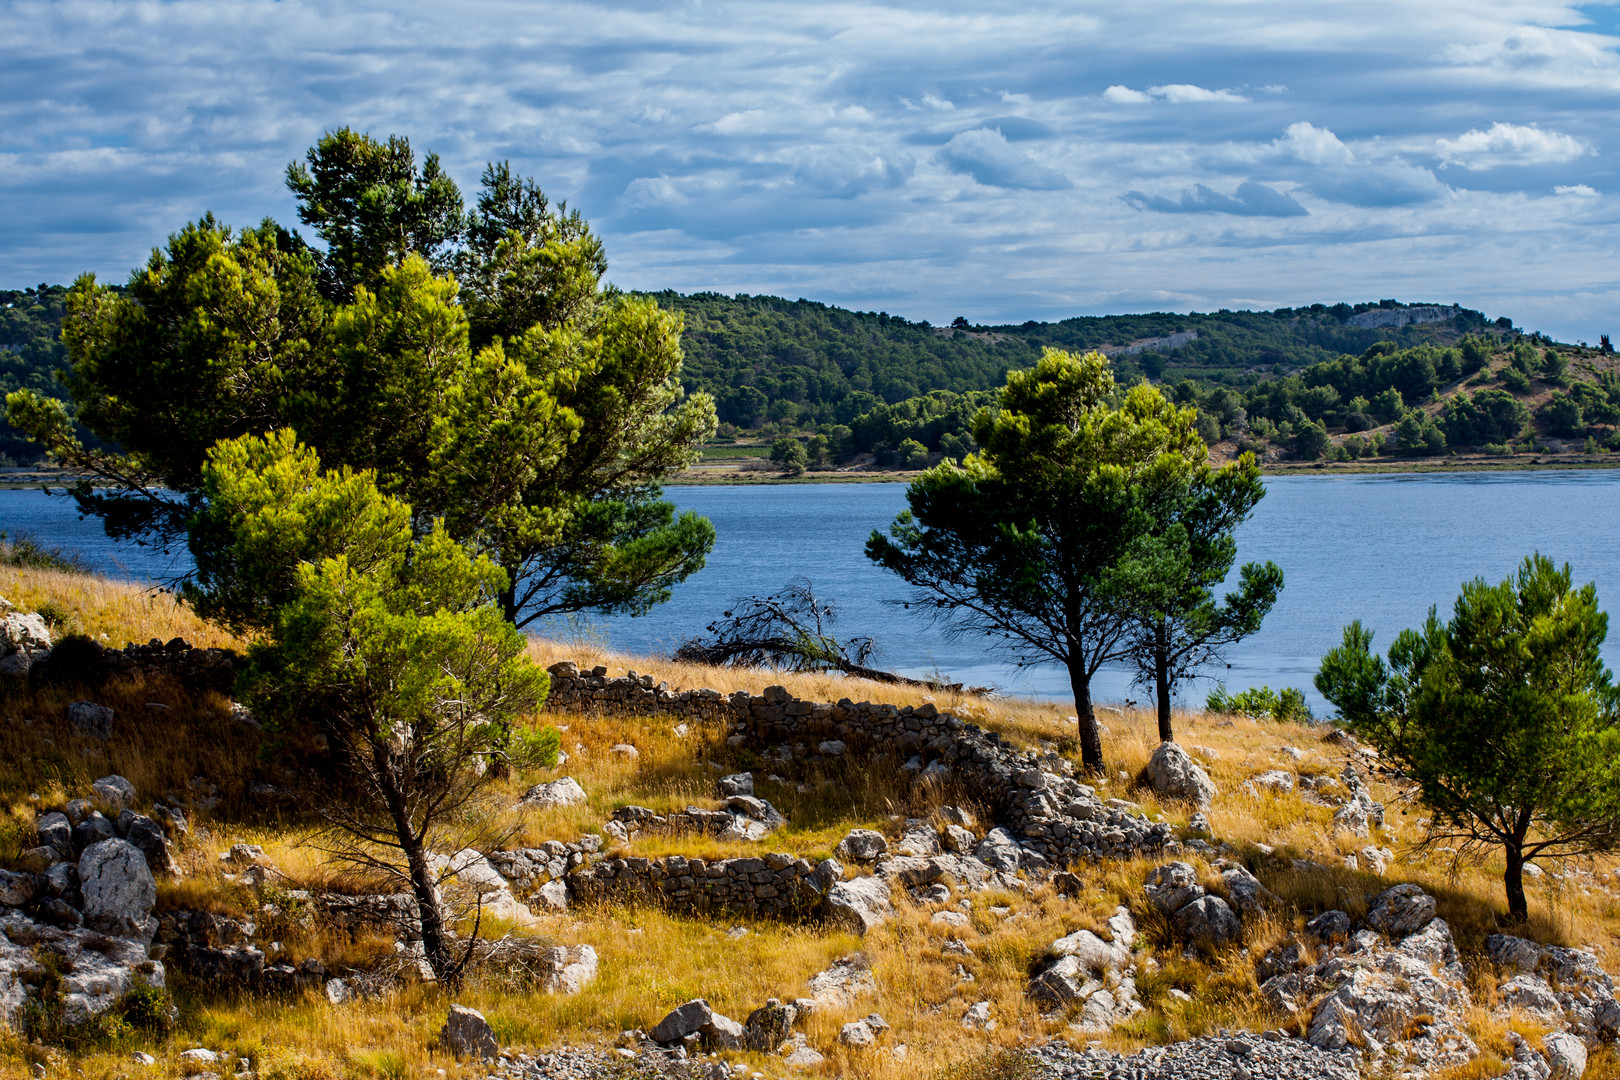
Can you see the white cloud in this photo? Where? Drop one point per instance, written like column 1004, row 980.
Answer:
column 1124, row 95
column 1183, row 93
column 939, row 103
column 1311, row 145
column 1576, row 191
column 1509, row 144
column 1174, row 93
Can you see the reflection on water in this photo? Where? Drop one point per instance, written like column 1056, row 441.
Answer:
column 1379, row 548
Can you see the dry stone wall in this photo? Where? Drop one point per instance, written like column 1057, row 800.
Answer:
column 774, row 885
column 1055, row 819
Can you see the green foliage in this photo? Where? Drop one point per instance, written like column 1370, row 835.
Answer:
column 1261, row 703
column 1562, row 415
column 910, row 454
column 1310, row 440
column 23, row 549
column 534, row 747
column 388, row 646
column 1418, row 434
column 1515, row 380
column 1504, row 716
column 1388, row 405
column 789, row 455
column 1486, row 416
column 534, row 418
column 373, row 207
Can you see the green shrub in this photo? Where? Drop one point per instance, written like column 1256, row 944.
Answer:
column 26, row 551
column 535, row 748
column 1515, row 380
column 1260, row 702
column 1496, row 449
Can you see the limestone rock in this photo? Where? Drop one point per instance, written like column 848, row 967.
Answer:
column 1172, row 773
column 682, row 1021
column 116, row 792
column 118, row 890
column 1208, row 921
column 90, row 720
column 55, row 833
column 467, row 1034
column 977, row 1018
column 1329, row 926
column 1566, row 1055
column 1172, row 886
column 862, row 845
column 1401, row 910
column 842, row 984
column 564, row 791
column 1000, row 850
column 573, row 968
column 768, row 1026
column 859, row 905
column 735, row 784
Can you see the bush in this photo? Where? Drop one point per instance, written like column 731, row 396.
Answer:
column 1261, row 703
column 1496, row 449
column 534, row 748
column 28, row 552
column 789, row 455
column 1515, row 380
column 911, row 454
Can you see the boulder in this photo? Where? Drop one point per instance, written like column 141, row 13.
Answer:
column 467, row 1034
column 857, row 1034
column 564, row 791
column 1172, row 773
column 23, row 632
column 842, row 984
column 90, row 720
column 958, row 839
column 1000, row 850
column 682, row 1021
column 1172, row 886
column 1245, row 890
column 1401, row 910
column 1091, row 952
column 92, row 830
column 55, row 833
column 768, row 1026
column 735, row 784
column 115, row 792
column 977, row 1018
column 16, row 889
column 859, row 905
column 1566, row 1055
column 118, row 890
column 572, row 969
column 721, row 1033
column 862, row 845
column 918, row 838
column 148, row 837
column 1208, row 921
column 1329, row 926
column 1274, row 780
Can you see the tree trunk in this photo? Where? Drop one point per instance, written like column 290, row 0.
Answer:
column 1161, row 680
column 507, row 597
column 1518, row 907
column 1091, row 755
column 435, row 940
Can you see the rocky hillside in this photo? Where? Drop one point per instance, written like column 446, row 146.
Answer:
column 719, row 877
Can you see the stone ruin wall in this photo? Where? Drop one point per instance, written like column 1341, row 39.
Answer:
column 1048, row 817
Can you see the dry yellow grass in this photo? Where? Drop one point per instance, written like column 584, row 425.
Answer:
column 651, row 960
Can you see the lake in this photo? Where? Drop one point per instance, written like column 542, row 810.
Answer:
column 1381, row 548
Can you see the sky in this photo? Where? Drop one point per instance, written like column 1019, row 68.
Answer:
column 929, row 159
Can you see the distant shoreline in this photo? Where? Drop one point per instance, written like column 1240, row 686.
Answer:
column 16, row 479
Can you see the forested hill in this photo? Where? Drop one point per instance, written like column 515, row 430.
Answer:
column 809, row 363
column 802, row 363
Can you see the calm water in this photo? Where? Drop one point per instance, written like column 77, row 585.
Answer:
column 1379, row 548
